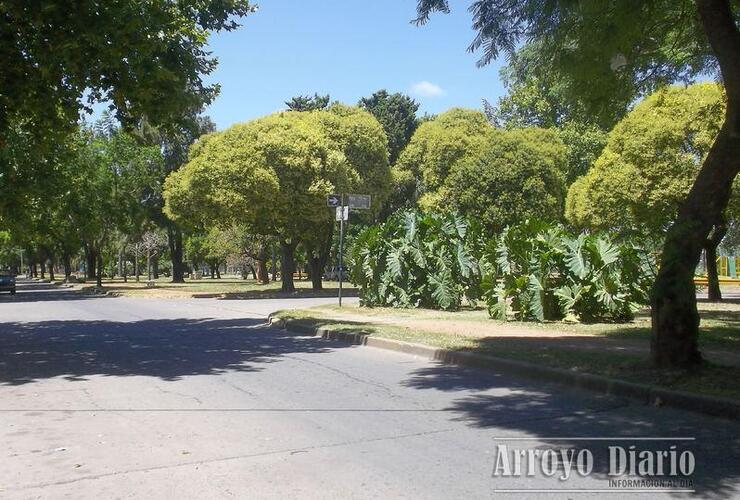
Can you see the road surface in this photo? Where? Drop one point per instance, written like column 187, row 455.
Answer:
column 197, row 398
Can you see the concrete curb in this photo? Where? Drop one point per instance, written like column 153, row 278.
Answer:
column 646, row 394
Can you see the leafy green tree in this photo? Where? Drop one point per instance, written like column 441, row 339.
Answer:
column 145, row 58
column 174, row 142
column 273, row 174
column 538, row 100
column 434, row 150
column 397, row 114
column 608, row 52
column 308, row 103
column 109, row 180
column 651, row 161
column 459, row 161
column 518, row 174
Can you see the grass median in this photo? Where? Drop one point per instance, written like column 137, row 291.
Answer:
column 617, row 350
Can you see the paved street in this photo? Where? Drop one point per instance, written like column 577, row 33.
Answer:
column 105, row 397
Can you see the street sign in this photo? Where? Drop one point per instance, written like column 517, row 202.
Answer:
column 342, row 213
column 360, row 201
column 333, row 200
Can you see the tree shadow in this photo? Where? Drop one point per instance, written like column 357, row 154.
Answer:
column 46, row 294
column 168, row 349
column 515, row 407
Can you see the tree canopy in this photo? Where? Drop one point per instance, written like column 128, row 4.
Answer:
column 145, row 58
column 274, row 173
column 308, row 102
column 459, row 161
column 436, row 147
column 518, row 174
column 650, row 161
column 397, row 114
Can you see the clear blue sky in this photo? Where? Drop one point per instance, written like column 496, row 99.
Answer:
column 349, row 49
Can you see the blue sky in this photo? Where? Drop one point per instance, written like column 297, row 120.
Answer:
column 349, row 49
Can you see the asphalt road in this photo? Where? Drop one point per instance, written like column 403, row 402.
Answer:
column 197, row 398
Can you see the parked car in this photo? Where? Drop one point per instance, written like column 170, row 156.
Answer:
column 7, row 282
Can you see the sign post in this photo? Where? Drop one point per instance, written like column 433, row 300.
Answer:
column 355, row 201
column 342, row 213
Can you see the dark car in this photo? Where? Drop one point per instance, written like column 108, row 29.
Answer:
column 7, row 283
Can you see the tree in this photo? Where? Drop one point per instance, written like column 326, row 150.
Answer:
column 500, row 176
column 152, row 242
column 273, row 174
column 434, row 150
column 608, row 52
column 145, row 58
column 535, row 99
column 397, row 114
column 308, row 103
column 174, row 142
column 109, row 180
column 518, row 174
column 652, row 158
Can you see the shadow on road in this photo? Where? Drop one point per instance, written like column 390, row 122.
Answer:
column 168, row 349
column 34, row 291
column 542, row 410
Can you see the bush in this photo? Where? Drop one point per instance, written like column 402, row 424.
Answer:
column 418, row 260
column 539, row 271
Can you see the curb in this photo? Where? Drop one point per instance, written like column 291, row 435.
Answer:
column 646, row 394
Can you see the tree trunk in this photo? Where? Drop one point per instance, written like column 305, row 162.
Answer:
column 121, row 255
column 714, row 293
column 174, row 240
column 136, row 263
column 287, row 266
column 261, row 260
column 90, row 258
column 43, row 268
column 321, row 259
column 249, row 269
column 675, row 319
column 273, row 271
column 51, row 266
column 155, row 265
column 149, row 265
column 316, row 266
column 99, row 270
column 218, row 270
column 66, row 262
column 262, row 275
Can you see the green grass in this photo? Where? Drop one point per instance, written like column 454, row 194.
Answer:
column 720, row 331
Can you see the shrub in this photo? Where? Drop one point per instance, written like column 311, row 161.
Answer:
column 418, row 260
column 538, row 271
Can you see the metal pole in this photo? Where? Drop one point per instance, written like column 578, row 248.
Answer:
column 341, row 248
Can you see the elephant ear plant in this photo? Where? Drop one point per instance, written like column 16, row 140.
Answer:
column 522, row 271
column 603, row 279
column 537, row 271
column 418, row 260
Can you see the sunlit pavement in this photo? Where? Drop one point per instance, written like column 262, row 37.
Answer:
column 106, row 397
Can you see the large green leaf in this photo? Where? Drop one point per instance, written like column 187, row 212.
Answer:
column 393, row 264
column 442, row 289
column 607, row 251
column 535, row 303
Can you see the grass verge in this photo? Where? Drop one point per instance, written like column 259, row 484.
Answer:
column 619, row 351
